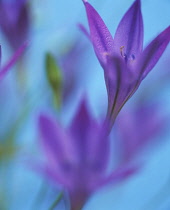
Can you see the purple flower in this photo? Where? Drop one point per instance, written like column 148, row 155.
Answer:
column 12, row 60
column 15, row 21
column 78, row 156
column 71, row 62
column 138, row 128
column 65, row 74
column 123, row 59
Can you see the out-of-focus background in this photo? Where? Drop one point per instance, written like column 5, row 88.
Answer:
column 25, row 93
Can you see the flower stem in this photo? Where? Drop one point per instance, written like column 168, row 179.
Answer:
column 56, row 201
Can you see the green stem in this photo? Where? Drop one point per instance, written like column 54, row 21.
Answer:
column 40, row 196
column 56, row 201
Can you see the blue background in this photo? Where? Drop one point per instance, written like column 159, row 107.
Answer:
column 55, row 26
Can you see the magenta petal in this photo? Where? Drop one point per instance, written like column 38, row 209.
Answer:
column 12, row 61
column 153, row 52
column 129, row 33
column 100, row 36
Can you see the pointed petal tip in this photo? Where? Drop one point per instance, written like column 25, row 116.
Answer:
column 82, row 113
column 168, row 31
column 138, row 2
column 43, row 120
column 42, row 117
column 85, row 2
column 153, row 52
column 137, row 5
column 84, row 30
column 83, row 105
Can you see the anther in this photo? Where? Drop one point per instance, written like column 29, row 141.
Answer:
column 125, row 56
column 122, row 52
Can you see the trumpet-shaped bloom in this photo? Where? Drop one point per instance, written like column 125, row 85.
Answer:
column 78, row 156
column 123, row 59
column 12, row 60
column 15, row 21
column 138, row 128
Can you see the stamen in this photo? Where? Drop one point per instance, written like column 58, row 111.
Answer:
column 133, row 57
column 125, row 56
column 122, row 52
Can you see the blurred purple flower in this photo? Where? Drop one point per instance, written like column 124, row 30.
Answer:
column 71, row 62
column 138, row 128
column 66, row 73
column 78, row 157
column 123, row 59
column 15, row 21
column 12, row 60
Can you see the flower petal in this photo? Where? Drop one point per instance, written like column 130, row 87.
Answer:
column 17, row 21
column 122, row 173
column 81, row 121
column 58, row 146
column 84, row 30
column 90, row 140
column 120, row 84
column 119, row 174
column 80, row 129
column 137, row 129
column 12, row 61
column 129, row 33
column 153, row 52
column 100, row 36
column 52, row 137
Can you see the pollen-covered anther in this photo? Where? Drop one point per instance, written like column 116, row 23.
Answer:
column 126, row 56
column 122, row 52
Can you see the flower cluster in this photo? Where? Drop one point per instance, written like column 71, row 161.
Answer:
column 79, row 156
column 88, row 154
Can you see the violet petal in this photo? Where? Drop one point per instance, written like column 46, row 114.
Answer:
column 129, row 33
column 12, row 61
column 153, row 52
column 100, row 36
